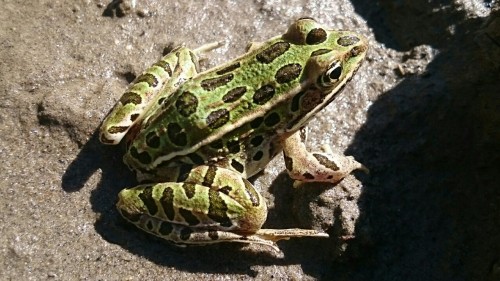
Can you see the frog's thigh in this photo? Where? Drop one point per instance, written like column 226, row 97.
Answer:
column 308, row 166
column 210, row 198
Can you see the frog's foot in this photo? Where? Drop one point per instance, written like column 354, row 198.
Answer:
column 326, row 166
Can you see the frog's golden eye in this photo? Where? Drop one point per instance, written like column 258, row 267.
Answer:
column 332, row 74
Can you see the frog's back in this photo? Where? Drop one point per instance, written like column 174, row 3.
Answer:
column 238, row 109
column 225, row 101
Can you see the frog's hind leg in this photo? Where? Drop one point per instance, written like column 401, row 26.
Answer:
column 183, row 235
column 326, row 166
column 149, row 91
column 211, row 205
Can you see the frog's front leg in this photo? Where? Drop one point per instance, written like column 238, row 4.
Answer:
column 305, row 166
column 213, row 205
column 148, row 91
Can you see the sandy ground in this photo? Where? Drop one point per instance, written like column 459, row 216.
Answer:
column 423, row 114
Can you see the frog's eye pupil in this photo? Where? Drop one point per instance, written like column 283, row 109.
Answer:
column 335, row 72
column 332, row 75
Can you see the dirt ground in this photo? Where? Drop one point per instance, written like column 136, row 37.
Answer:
column 423, row 114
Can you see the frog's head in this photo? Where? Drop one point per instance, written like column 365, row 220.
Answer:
column 335, row 55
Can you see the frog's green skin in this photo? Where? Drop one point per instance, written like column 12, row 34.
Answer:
column 203, row 134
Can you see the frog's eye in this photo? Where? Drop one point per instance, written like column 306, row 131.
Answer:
column 332, row 74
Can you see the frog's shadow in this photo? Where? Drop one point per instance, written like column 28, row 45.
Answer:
column 235, row 258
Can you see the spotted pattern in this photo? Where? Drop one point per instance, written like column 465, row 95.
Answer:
column 131, row 97
column 230, row 68
column 263, row 94
column 188, row 216
column 142, row 157
column 133, row 117
column 225, row 189
column 152, row 140
column 146, row 197
column 347, row 41
column 218, row 144
column 184, row 172
column 167, row 203
column 176, row 135
column 258, row 156
column 295, row 105
column 288, row 163
column 316, row 36
column 166, row 66
column 323, row 160
column 185, row 233
column 213, row 83
column 257, row 140
column 149, row 225
column 213, row 235
column 237, row 166
column 308, row 176
column 208, row 179
column 117, row 129
column 186, row 104
column 217, row 118
column 288, row 73
column 256, row 122
column 236, row 147
column 218, row 209
column 233, row 146
column 196, row 158
column 272, row 119
column 272, row 52
column 234, row 94
column 320, row 52
column 189, row 189
column 165, row 228
column 149, row 78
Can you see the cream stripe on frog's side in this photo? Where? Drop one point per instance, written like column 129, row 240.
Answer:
column 219, row 127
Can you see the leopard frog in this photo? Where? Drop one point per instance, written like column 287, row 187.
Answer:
column 195, row 137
